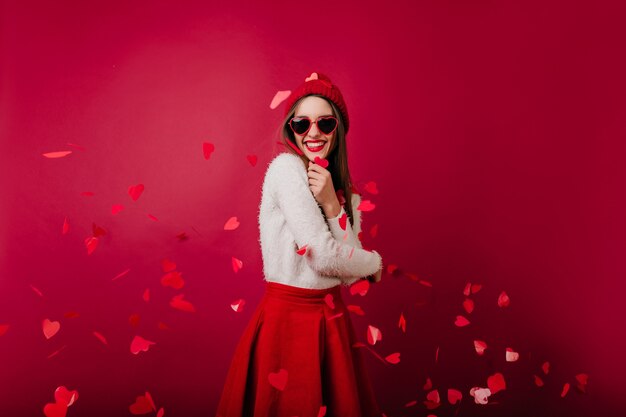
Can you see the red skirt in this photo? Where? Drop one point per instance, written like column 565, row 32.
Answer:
column 296, row 356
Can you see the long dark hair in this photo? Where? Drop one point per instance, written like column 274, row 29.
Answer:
column 337, row 156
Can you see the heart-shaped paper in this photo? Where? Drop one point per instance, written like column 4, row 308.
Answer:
column 116, row 208
column 173, row 279
column 321, row 162
column 252, row 159
column 461, row 321
column 360, row 287
column 373, row 335
column 279, row 97
column 237, row 264
column 311, row 77
column 143, row 404
column 393, row 358
column 58, row 154
column 50, row 328
column 329, row 301
column 496, row 382
column 503, row 300
column 371, row 188
column 480, row 346
column 167, row 265
column 177, row 302
column 511, row 355
column 237, row 306
column 278, row 379
column 64, row 396
column 134, row 191
column 366, row 205
column 207, row 149
column 454, row 396
column 231, row 224
column 139, row 344
column 91, row 243
column 468, row 305
column 302, row 250
column 342, row 221
column 55, row 410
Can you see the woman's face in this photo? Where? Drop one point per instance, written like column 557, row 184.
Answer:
column 314, row 107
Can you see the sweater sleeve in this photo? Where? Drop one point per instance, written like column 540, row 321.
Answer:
column 340, row 225
column 289, row 186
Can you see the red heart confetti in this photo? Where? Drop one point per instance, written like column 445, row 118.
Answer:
column 143, row 405
column 173, row 279
column 322, row 411
column 343, row 221
column 237, row 264
column 207, row 149
column 167, row 265
column 581, row 382
column 454, row 396
column 545, row 367
column 356, row 310
column 503, row 300
column 538, row 381
column 3, row 329
column 134, row 191
column 237, row 305
column 328, row 299
column 468, row 305
column 278, row 379
column 58, row 154
column 97, row 230
column 279, row 97
column 371, row 187
column 178, row 303
column 432, row 400
column 302, row 250
column 100, row 337
column 366, row 205
column 373, row 335
column 91, row 243
column 496, row 382
column 134, row 319
column 402, row 323
column 480, row 346
column 116, row 208
column 231, row 224
column 153, row 218
column 87, row 194
column 139, row 344
column 64, row 396
column 321, row 162
column 461, row 321
column 50, row 328
column 428, row 385
column 394, row 358
column 66, row 226
column 360, row 287
column 146, row 295
column 36, row 290
column 120, row 275
column 252, row 159
column 565, row 390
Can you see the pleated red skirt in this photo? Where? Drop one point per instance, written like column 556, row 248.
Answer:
column 296, row 356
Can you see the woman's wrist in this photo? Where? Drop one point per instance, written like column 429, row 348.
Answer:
column 332, row 210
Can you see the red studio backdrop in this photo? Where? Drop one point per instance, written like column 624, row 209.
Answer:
column 489, row 136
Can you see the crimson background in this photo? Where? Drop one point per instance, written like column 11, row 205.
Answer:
column 494, row 131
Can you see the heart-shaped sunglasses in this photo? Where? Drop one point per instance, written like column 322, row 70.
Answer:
column 325, row 124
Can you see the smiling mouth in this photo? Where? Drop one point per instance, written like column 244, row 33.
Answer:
column 315, row 146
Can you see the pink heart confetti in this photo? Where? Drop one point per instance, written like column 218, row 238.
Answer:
column 139, row 344
column 231, row 224
column 480, row 346
column 178, row 303
column 237, row 305
column 480, row 395
column 58, row 154
column 373, row 335
column 278, row 379
column 511, row 355
column 311, row 77
column 207, row 149
column 454, row 396
column 237, row 264
column 279, row 97
column 135, row 191
column 50, row 328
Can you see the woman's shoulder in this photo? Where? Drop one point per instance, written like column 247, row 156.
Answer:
column 284, row 163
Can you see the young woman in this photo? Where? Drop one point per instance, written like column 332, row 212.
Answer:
column 296, row 356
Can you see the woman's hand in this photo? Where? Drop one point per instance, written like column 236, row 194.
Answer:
column 321, row 185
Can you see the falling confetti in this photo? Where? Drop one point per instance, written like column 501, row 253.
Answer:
column 139, row 344
column 279, row 97
column 207, row 149
column 135, row 191
column 231, row 224
column 50, row 328
column 58, row 154
column 278, row 379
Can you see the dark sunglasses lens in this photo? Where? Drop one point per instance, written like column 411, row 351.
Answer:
column 327, row 125
column 300, row 125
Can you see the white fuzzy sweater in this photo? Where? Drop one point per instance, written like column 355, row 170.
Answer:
column 290, row 218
